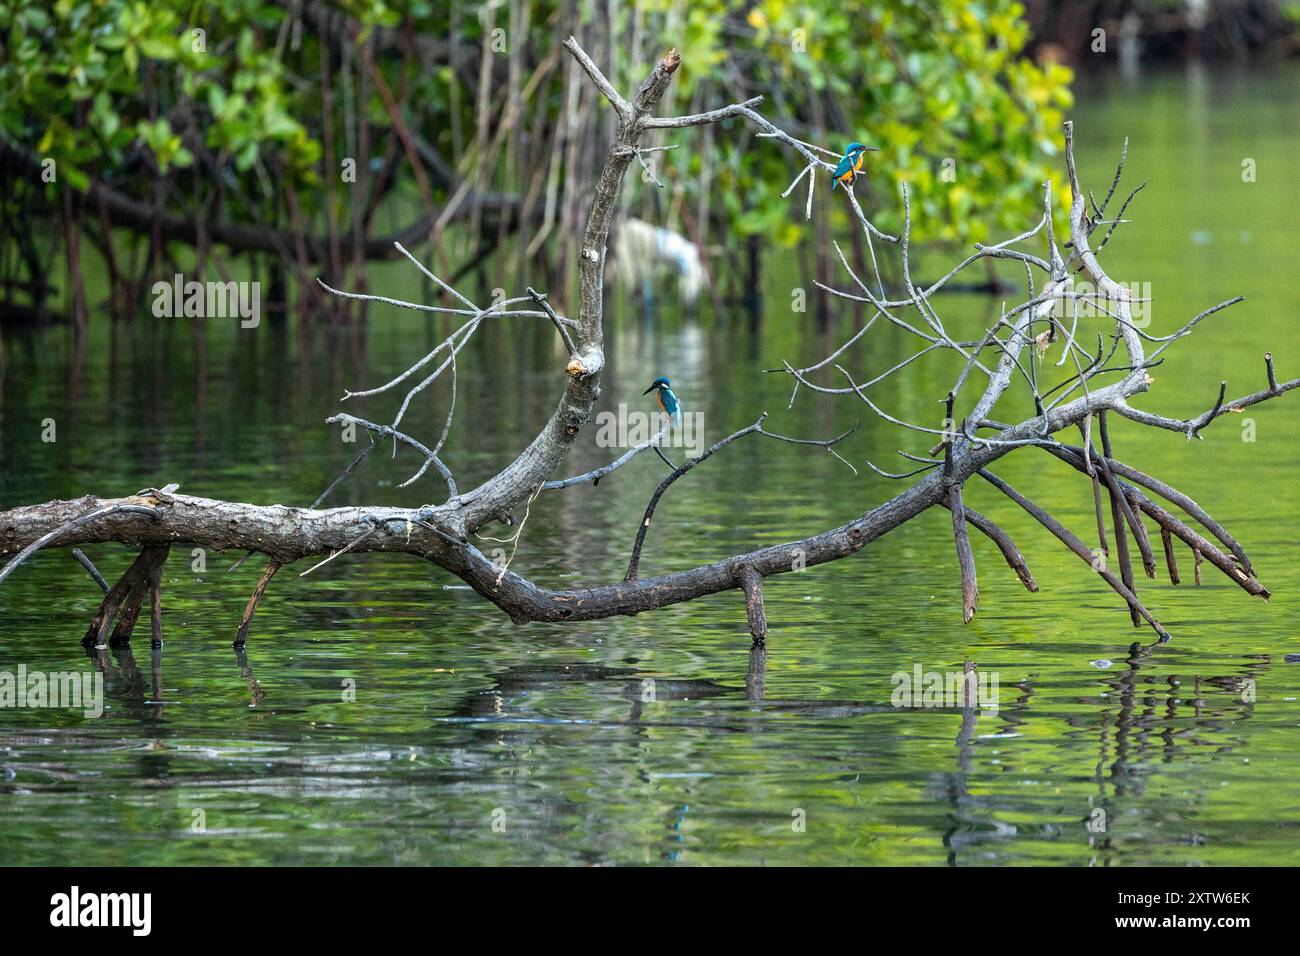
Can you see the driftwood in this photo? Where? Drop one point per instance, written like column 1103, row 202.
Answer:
column 969, row 440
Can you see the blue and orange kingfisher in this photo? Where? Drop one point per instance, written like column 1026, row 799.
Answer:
column 667, row 399
column 850, row 164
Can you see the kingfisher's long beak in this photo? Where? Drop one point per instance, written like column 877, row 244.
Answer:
column 649, row 390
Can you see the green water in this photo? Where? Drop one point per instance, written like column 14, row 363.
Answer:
column 661, row 739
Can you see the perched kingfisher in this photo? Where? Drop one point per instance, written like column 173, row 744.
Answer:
column 849, row 166
column 667, row 399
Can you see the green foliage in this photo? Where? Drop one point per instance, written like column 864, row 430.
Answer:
column 92, row 83
column 925, row 82
column 104, row 86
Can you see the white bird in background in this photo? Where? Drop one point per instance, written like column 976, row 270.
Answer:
column 643, row 250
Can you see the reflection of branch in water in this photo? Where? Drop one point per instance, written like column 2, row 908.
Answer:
column 506, row 700
column 246, row 672
column 1140, row 719
column 132, row 686
column 156, row 668
column 125, row 682
column 1124, row 689
column 98, row 657
column 1146, row 718
column 1149, row 728
column 964, row 827
column 756, row 679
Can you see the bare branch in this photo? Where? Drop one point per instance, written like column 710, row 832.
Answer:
column 621, row 106
column 89, row 565
column 700, row 119
column 1192, row 427
column 635, row 561
column 442, row 533
column 965, row 557
column 596, row 474
column 387, row 431
column 1077, row 546
column 1172, row 525
column 555, row 320
column 1015, row 560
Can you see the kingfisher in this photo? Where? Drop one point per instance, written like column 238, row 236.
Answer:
column 667, row 399
column 850, row 164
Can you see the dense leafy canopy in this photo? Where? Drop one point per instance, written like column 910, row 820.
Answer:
column 125, row 90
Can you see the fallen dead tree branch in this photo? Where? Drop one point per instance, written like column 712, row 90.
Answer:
column 1009, row 352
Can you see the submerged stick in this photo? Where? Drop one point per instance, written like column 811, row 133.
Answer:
column 1170, row 561
column 1078, row 547
column 89, row 565
column 752, row 584
column 1169, row 522
column 258, row 592
column 970, row 593
column 1174, row 496
column 155, row 607
column 1015, row 560
column 124, row 599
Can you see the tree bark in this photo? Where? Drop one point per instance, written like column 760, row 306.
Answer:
column 156, row 519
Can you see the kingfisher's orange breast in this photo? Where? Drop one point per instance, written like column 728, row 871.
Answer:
column 851, row 174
